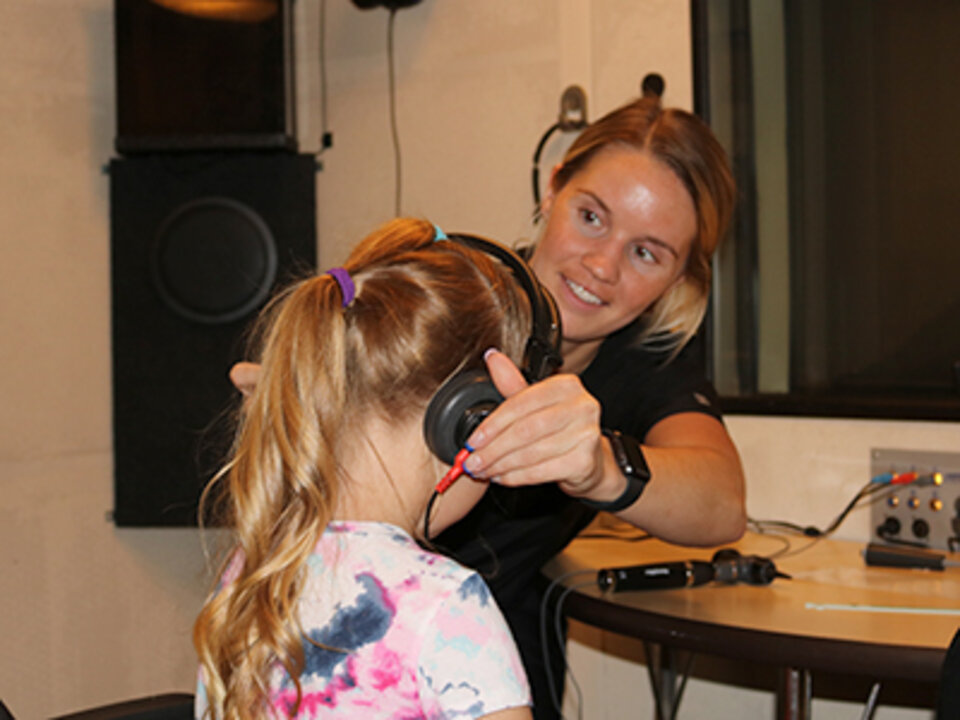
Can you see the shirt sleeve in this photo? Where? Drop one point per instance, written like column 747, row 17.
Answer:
column 469, row 665
column 681, row 385
column 637, row 387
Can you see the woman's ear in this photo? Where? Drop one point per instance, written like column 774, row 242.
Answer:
column 678, row 281
column 549, row 195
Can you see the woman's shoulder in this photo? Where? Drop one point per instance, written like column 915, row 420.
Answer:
column 626, row 353
column 637, row 386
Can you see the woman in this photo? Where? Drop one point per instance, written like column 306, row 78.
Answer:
column 631, row 219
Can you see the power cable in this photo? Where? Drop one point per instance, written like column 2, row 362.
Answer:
column 391, row 71
column 326, row 137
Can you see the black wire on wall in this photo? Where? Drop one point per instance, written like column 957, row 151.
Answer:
column 391, row 72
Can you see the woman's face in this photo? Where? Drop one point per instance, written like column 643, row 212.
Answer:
column 617, row 237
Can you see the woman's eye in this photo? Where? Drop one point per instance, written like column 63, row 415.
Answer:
column 589, row 217
column 643, row 254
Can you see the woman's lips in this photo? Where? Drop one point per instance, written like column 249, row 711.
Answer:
column 582, row 294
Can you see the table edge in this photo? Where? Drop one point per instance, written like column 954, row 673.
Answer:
column 849, row 657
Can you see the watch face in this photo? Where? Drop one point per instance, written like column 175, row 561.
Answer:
column 633, row 466
column 635, row 457
column 629, row 456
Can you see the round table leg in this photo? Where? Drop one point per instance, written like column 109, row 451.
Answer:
column 794, row 695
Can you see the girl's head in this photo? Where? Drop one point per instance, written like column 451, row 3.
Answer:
column 633, row 216
column 336, row 382
column 421, row 310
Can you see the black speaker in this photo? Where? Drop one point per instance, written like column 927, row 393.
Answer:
column 198, row 243
column 195, row 76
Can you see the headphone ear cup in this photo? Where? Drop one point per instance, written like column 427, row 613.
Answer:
column 455, row 411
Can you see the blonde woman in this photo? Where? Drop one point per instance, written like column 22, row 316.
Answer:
column 630, row 221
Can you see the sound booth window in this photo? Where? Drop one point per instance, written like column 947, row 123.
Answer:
column 836, row 293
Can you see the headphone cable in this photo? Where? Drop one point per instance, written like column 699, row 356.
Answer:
column 426, row 518
column 556, row 696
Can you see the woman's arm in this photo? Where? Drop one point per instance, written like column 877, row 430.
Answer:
column 696, row 491
column 550, row 432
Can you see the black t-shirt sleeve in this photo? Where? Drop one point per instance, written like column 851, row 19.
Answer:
column 637, row 387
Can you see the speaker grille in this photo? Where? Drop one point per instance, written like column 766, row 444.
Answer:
column 214, row 260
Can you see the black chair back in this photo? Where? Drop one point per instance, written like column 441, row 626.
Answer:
column 948, row 702
column 171, row 706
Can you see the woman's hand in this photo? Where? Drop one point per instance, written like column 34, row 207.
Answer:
column 550, row 431
column 546, row 432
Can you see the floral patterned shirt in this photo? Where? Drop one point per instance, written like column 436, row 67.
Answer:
column 398, row 633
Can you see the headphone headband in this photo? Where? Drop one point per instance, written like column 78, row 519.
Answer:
column 461, row 403
column 542, row 354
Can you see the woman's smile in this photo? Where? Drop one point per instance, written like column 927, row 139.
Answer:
column 582, row 293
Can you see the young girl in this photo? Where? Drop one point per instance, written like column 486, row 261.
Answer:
column 328, row 607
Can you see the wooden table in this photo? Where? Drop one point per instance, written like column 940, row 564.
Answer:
column 836, row 614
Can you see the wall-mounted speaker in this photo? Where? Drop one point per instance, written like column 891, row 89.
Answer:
column 194, row 76
column 199, row 242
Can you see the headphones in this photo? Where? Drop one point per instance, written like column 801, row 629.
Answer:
column 463, row 401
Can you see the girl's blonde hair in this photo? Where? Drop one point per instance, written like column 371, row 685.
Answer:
column 422, row 311
column 685, row 144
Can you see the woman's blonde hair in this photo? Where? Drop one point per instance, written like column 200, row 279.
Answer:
column 685, row 144
column 423, row 310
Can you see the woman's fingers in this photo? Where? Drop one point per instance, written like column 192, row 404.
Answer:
column 545, row 432
column 524, row 400
column 505, row 374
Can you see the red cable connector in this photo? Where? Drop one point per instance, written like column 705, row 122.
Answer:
column 455, row 471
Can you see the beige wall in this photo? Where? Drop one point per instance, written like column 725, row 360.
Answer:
column 90, row 614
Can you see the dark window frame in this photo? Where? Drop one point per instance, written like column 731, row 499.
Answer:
column 884, row 403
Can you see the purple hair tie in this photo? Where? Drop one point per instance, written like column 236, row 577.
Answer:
column 347, row 288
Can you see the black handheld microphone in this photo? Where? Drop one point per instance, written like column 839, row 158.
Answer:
column 727, row 566
column 656, row 576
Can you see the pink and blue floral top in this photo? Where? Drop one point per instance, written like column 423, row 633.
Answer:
column 397, row 633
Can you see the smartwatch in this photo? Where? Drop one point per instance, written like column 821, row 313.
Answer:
column 633, row 466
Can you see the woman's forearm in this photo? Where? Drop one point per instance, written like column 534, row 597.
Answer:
column 695, row 495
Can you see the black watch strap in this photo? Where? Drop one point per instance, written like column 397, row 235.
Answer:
column 633, row 466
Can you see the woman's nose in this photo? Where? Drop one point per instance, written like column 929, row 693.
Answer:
column 602, row 264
